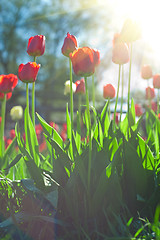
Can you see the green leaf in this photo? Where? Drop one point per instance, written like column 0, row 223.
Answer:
column 14, row 162
column 49, row 131
column 31, row 139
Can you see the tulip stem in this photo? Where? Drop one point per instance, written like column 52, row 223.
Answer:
column 27, row 99
column 33, row 99
column 115, row 109
column 158, row 103
column 79, row 110
column 3, row 112
column 71, row 94
column 129, row 82
column 122, row 92
column 93, row 91
column 90, row 141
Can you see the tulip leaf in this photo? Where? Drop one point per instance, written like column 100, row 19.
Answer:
column 31, row 138
column 14, row 162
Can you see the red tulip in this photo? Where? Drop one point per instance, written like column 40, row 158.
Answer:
column 36, row 45
column 27, row 73
column 138, row 110
column 8, row 95
column 150, row 94
column 156, row 81
column 120, row 53
column 130, row 32
column 83, row 61
column 109, row 91
column 54, row 125
column 146, row 72
column 69, row 45
column 154, row 106
column 8, row 83
column 0, row 120
column 12, row 133
column 80, row 86
column 96, row 56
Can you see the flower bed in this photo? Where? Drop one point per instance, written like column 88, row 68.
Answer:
column 96, row 179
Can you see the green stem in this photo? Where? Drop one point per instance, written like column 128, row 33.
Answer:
column 93, row 91
column 149, row 97
column 27, row 99
column 115, row 109
column 109, row 109
column 79, row 110
column 71, row 96
column 3, row 112
column 158, row 103
column 90, row 141
column 122, row 92
column 129, row 81
column 33, row 99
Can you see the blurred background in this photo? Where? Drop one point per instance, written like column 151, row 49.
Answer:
column 94, row 23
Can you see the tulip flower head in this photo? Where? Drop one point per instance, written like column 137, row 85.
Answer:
column 8, row 96
column 150, row 93
column 36, row 45
column 96, row 56
column 27, row 73
column 131, row 31
column 138, row 110
column 83, row 61
column 69, row 45
column 109, row 91
column 16, row 113
column 67, row 87
column 156, row 81
column 12, row 133
column 146, row 72
column 116, row 39
column 120, row 53
column 8, row 83
column 80, row 86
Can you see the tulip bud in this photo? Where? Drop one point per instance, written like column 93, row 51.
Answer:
column 69, row 45
column 150, row 94
column 27, row 73
column 138, row 110
column 146, row 72
column 83, row 61
column 16, row 113
column 67, row 87
column 156, row 81
column 80, row 86
column 131, row 31
column 8, row 83
column 120, row 53
column 36, row 45
column 108, row 91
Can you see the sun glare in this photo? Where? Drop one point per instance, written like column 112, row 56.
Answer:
column 146, row 13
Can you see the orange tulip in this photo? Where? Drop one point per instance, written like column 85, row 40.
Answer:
column 146, row 71
column 109, row 91
column 83, row 61
column 156, row 81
